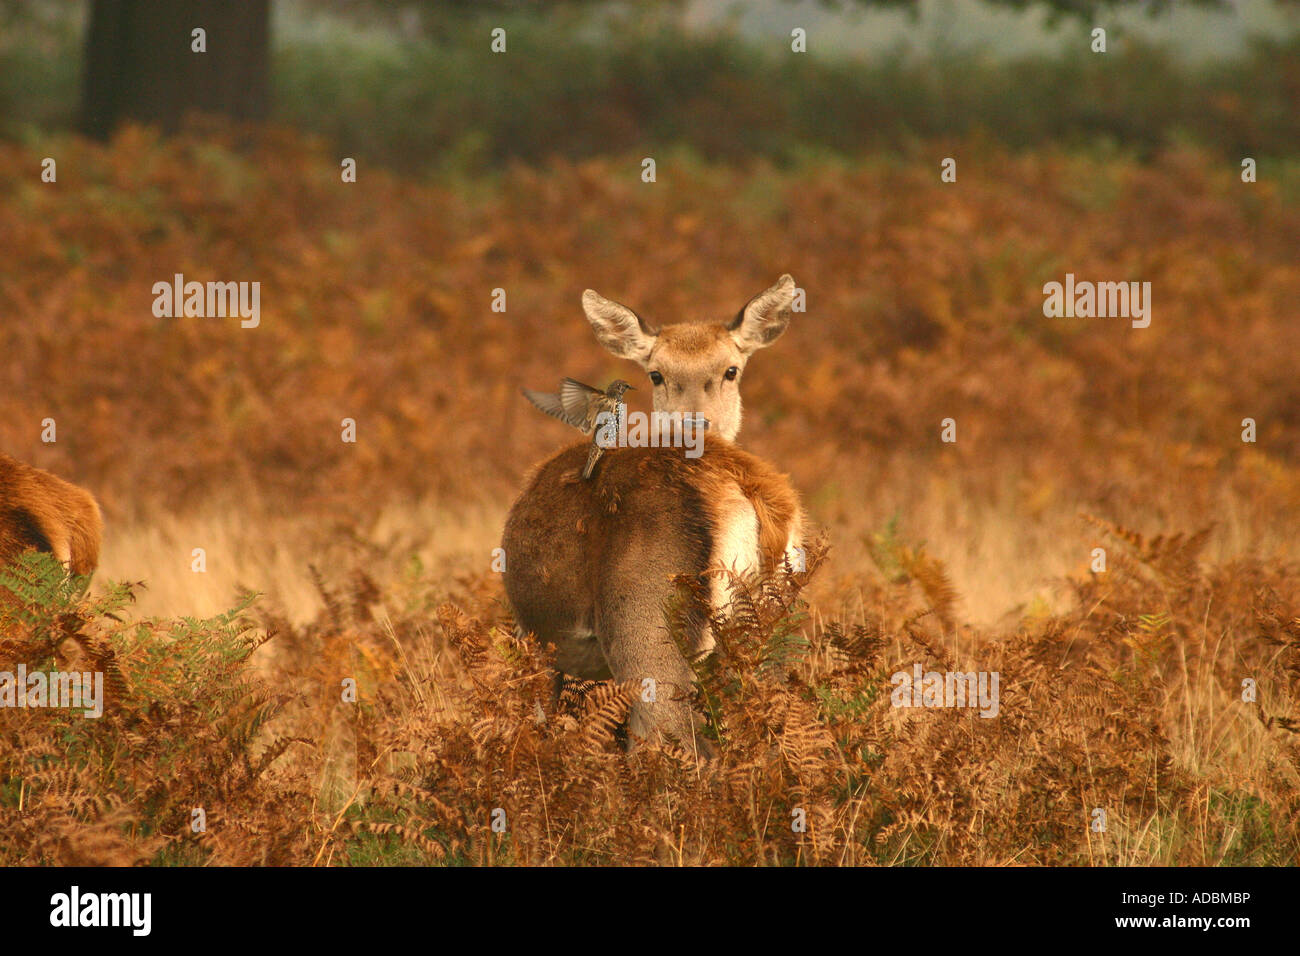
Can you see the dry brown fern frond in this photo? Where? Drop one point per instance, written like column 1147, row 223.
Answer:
column 927, row 642
column 573, row 694
column 1277, row 625
column 932, row 576
column 862, row 642
column 113, row 839
column 333, row 606
column 406, row 832
column 462, row 632
column 805, row 741
column 1174, row 556
column 605, row 708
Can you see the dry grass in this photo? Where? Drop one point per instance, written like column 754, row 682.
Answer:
column 254, row 547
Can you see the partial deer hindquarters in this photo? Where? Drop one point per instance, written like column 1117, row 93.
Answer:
column 41, row 512
column 590, row 565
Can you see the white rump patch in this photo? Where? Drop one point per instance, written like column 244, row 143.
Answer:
column 735, row 554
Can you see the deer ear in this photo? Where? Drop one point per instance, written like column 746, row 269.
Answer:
column 764, row 318
column 618, row 328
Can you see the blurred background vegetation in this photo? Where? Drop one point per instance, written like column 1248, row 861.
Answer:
column 407, row 83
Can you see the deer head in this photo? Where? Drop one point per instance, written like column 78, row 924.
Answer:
column 695, row 368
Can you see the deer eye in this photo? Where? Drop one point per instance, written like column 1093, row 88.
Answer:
column 731, row 374
column 656, row 378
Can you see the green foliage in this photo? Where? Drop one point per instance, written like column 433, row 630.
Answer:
column 582, row 83
column 183, row 724
column 41, row 590
column 887, row 547
column 1250, row 833
column 421, row 103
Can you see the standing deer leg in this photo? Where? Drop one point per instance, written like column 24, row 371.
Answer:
column 639, row 649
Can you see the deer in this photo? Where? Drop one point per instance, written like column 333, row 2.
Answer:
column 42, row 512
column 590, row 565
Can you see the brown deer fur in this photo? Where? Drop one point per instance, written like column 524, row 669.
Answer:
column 590, row 564
column 41, row 512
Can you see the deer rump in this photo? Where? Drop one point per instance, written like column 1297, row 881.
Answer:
column 41, row 512
column 590, row 565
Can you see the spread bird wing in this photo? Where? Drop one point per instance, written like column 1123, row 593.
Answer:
column 554, row 406
column 579, row 402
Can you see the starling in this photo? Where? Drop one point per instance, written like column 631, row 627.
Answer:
column 581, row 406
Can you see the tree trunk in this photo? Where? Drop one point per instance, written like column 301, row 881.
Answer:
column 140, row 64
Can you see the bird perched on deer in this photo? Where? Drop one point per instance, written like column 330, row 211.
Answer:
column 581, row 406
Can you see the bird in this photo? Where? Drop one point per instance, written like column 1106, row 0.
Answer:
column 581, row 406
